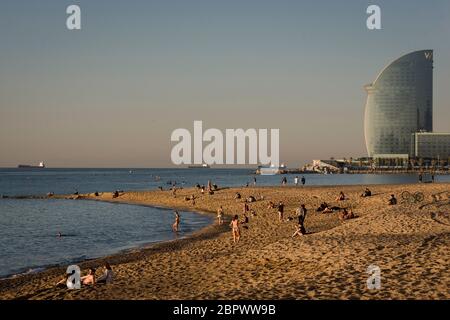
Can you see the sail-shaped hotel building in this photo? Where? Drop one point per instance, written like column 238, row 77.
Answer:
column 399, row 103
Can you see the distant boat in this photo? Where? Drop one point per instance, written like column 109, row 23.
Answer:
column 41, row 165
column 203, row 166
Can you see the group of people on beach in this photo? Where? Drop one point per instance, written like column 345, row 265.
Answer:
column 89, row 279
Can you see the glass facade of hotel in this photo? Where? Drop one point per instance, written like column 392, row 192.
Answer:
column 399, row 103
column 429, row 145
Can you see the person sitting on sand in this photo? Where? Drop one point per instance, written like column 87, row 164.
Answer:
column 341, row 196
column 245, row 208
column 235, row 229
column 63, row 282
column 271, row 205
column 280, row 209
column 251, row 199
column 107, row 276
column 198, row 186
column 115, row 194
column 237, row 196
column 345, row 215
column 366, row 193
column 220, row 215
column 392, row 201
column 89, row 279
column 177, row 222
column 215, row 187
column 244, row 219
column 202, row 189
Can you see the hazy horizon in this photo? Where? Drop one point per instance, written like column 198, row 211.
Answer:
column 110, row 94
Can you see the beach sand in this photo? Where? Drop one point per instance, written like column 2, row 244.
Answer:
column 409, row 242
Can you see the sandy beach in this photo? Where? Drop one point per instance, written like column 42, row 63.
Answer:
column 409, row 242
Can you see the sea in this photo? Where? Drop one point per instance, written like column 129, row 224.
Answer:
column 91, row 229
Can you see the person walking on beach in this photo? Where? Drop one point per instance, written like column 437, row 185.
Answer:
column 220, row 215
column 254, row 181
column 177, row 222
column 303, row 180
column 235, row 229
column 296, row 181
column 300, row 229
column 280, row 211
column 284, row 181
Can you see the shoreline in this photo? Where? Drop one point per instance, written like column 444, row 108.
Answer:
column 213, row 244
column 121, row 252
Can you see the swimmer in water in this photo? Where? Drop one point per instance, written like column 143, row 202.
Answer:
column 177, row 222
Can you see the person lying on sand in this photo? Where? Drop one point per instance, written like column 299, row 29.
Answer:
column 327, row 210
column 89, row 279
column 322, row 207
column 235, row 229
column 366, row 193
column 392, row 201
column 107, row 276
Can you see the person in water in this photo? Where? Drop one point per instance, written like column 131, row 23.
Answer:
column 177, row 222
column 89, row 279
column 235, row 229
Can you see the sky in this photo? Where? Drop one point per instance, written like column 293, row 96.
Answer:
column 110, row 94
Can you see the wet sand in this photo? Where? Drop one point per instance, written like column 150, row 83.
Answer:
column 409, row 242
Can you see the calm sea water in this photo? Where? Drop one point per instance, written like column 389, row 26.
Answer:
column 28, row 228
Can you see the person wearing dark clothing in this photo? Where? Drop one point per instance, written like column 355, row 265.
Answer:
column 392, row 200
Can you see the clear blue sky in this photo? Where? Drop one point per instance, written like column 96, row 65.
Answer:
column 111, row 94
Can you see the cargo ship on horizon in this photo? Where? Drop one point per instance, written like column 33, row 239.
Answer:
column 41, row 165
